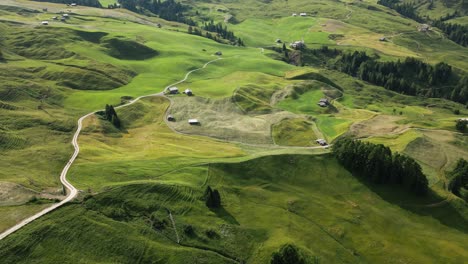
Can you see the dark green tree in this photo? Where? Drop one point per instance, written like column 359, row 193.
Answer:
column 288, row 254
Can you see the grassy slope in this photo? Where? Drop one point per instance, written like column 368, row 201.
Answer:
column 148, row 152
column 312, row 198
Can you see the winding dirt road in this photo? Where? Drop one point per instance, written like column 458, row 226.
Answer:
column 71, row 190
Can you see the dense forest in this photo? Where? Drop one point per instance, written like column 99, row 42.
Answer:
column 459, row 183
column 411, row 76
column 92, row 3
column 455, row 32
column 168, row 10
column 378, row 164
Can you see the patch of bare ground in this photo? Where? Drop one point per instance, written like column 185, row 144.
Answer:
column 378, row 126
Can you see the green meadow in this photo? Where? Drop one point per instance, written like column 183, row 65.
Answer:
column 142, row 186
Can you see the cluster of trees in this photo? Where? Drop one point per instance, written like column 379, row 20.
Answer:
column 455, row 32
column 461, row 125
column 212, row 198
column 92, row 3
column 168, row 10
column 216, row 32
column 411, row 76
column 111, row 116
column 377, row 164
column 459, row 183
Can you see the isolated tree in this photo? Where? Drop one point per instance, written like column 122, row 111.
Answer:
column 111, row 116
column 288, row 254
column 212, row 198
column 461, row 125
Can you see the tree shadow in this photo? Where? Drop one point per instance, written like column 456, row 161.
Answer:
column 432, row 204
column 225, row 215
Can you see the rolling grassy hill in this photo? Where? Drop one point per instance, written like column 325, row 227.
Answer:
column 142, row 185
column 308, row 200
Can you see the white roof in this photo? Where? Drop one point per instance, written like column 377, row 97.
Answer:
column 65, row 15
column 303, row 14
column 193, row 120
column 188, row 90
column 173, row 88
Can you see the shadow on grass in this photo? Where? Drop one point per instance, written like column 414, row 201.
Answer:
column 225, row 215
column 432, row 204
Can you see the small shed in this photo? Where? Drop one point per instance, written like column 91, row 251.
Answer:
column 170, row 118
column 323, row 102
column 297, row 44
column 424, row 27
column 303, row 14
column 188, row 92
column 73, row 4
column 294, row 14
column 45, row 23
column 321, row 142
column 278, row 41
column 218, row 53
column 173, row 90
column 193, row 121
column 382, row 39
column 54, row 18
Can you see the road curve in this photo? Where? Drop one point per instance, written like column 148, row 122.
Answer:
column 71, row 190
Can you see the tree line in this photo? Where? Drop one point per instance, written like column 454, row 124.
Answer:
column 217, row 32
column 92, row 3
column 459, row 183
column 168, row 10
column 378, row 164
column 405, row 9
column 410, row 76
column 456, row 32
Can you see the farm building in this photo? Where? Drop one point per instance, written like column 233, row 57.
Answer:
column 278, row 41
column 294, row 14
column 323, row 102
column 73, row 4
column 194, row 121
column 297, row 44
column 382, row 39
column 303, row 14
column 188, row 92
column 65, row 15
column 170, row 118
column 173, row 90
column 321, row 142
column 424, row 27
column 45, row 23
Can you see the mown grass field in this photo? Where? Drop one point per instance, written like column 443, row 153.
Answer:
column 254, row 109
